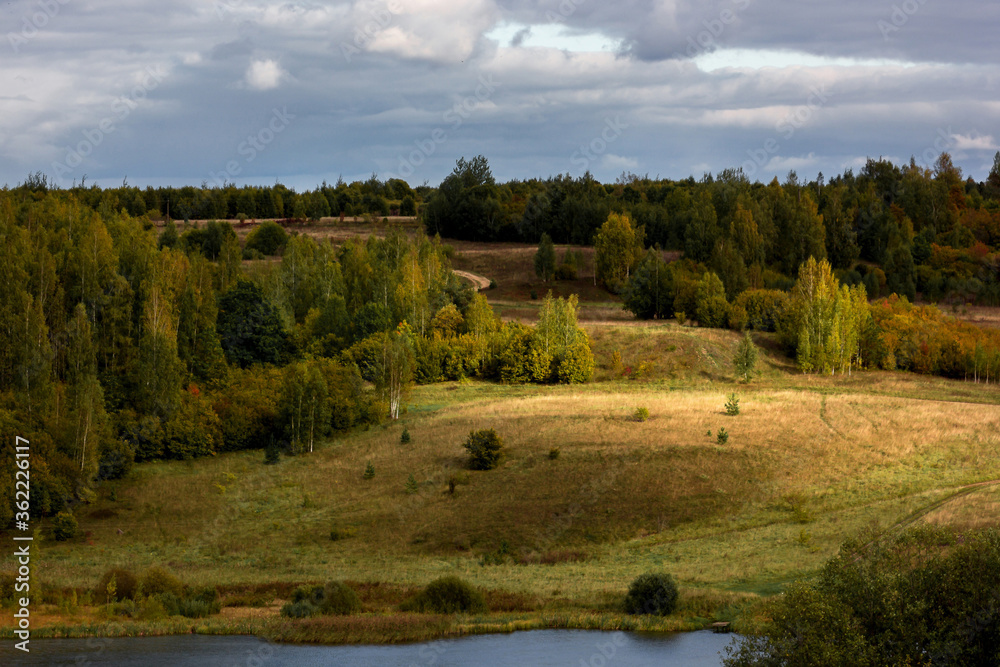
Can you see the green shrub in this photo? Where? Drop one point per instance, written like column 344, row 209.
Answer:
column 125, row 586
column 267, row 238
column 300, row 609
column 722, row 437
column 156, row 581
column 204, row 594
column 339, row 598
column 447, row 595
column 651, row 593
column 577, row 363
column 566, row 272
column 117, row 457
column 404, row 438
column 411, row 484
column 312, row 594
column 763, row 307
column 737, row 318
column 126, row 608
column 188, row 607
column 369, row 471
column 519, row 358
column 733, row 405
column 485, row 449
column 640, row 414
column 64, row 526
column 711, row 307
column 272, row 455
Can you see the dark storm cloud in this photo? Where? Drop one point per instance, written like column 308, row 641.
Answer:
column 192, row 92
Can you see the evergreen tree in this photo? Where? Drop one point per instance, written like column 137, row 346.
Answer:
column 249, row 327
column 545, row 259
column 745, row 359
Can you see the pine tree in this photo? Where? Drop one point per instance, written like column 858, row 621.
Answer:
column 745, row 359
column 545, row 259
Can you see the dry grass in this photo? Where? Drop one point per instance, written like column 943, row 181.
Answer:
column 809, row 462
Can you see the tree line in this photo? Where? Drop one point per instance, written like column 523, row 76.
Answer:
column 899, row 229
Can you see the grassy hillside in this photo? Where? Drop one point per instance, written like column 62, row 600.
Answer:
column 809, row 462
column 586, row 499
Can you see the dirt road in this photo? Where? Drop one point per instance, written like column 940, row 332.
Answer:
column 479, row 281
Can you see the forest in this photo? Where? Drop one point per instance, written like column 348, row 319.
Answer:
column 126, row 343
column 902, row 229
column 140, row 327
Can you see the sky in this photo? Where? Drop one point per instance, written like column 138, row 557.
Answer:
column 188, row 92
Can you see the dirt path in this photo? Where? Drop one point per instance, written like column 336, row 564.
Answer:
column 479, row 281
column 959, row 492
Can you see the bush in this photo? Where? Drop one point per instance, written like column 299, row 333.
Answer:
column 553, row 454
column 566, row 272
column 197, row 605
column 485, row 449
column 339, row 598
column 738, row 318
column 577, row 363
column 125, row 586
column 722, row 437
column 640, row 414
column 267, row 238
column 369, row 471
column 333, row 598
column 300, row 609
column 156, row 581
column 711, row 307
column 651, row 593
column 411, row 484
column 64, row 526
column 447, row 595
column 404, row 439
column 763, row 308
column 733, row 405
column 117, row 457
column 924, row 596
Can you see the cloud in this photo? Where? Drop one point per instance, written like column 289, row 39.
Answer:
column 613, row 162
column 970, row 142
column 264, row 75
column 414, row 60
column 780, row 164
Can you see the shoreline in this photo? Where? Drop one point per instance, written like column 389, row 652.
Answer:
column 363, row 629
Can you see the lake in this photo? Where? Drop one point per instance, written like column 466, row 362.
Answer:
column 576, row 648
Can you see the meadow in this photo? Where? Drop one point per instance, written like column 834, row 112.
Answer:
column 587, row 497
column 809, row 462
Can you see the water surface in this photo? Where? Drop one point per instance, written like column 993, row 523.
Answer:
column 578, row 648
